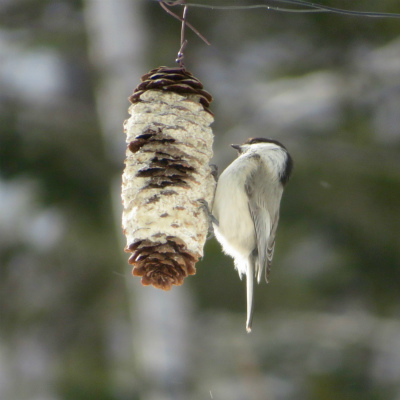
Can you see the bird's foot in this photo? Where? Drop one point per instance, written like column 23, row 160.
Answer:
column 211, row 219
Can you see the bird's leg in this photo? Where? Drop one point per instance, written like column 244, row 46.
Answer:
column 206, row 207
column 211, row 219
column 214, row 171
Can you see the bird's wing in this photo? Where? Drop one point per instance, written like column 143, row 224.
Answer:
column 264, row 210
column 271, row 245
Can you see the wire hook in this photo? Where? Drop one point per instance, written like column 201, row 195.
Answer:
column 185, row 23
column 184, row 42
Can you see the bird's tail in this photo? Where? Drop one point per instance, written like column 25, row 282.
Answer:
column 249, row 287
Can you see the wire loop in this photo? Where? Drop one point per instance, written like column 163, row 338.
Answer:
column 183, row 19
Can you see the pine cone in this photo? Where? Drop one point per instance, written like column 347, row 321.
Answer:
column 167, row 171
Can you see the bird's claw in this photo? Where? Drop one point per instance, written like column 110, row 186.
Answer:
column 214, row 171
column 211, row 219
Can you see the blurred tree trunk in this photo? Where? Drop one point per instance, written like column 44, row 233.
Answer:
column 117, row 42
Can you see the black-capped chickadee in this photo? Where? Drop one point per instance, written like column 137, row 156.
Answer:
column 246, row 208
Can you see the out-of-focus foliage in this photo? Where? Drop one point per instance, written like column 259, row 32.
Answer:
column 58, row 251
column 326, row 327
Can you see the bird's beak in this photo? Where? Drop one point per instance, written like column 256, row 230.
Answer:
column 237, row 147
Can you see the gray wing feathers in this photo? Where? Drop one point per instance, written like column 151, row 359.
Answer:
column 264, row 210
column 260, row 219
column 271, row 246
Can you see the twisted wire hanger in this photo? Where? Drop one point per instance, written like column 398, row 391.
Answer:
column 183, row 19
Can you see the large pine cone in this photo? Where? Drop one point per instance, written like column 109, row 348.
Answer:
column 167, row 171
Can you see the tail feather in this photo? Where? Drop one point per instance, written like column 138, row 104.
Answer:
column 249, row 286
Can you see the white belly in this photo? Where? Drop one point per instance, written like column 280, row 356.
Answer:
column 235, row 231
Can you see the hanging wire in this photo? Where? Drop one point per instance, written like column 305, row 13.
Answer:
column 183, row 19
column 310, row 7
column 335, row 10
column 164, row 5
column 181, row 54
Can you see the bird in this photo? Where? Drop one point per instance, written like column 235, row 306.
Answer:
column 245, row 210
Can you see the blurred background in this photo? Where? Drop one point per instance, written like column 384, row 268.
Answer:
column 74, row 323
